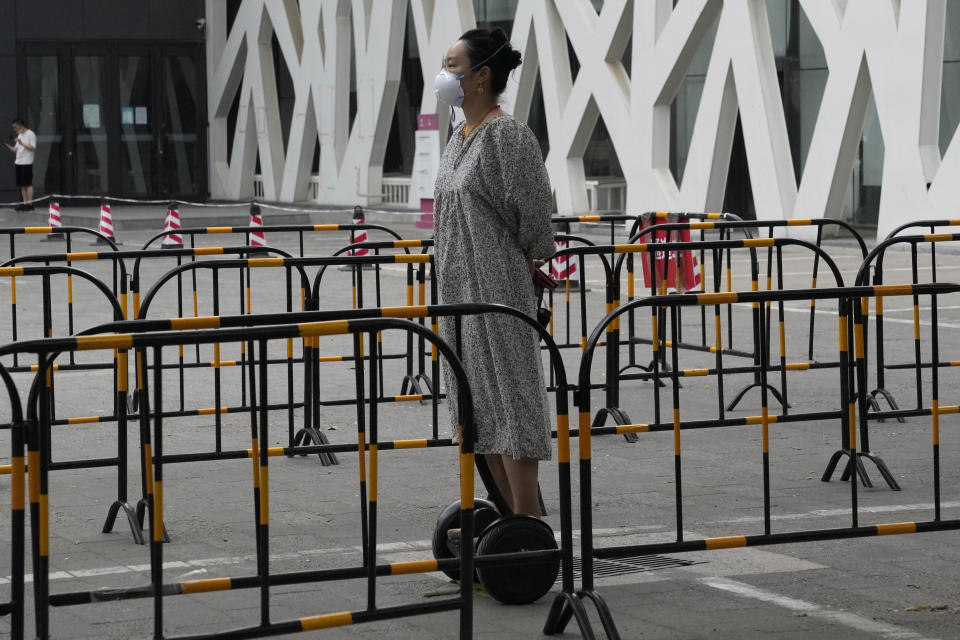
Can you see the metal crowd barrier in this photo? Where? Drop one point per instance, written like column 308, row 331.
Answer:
column 881, row 391
column 612, row 340
column 368, row 445
column 61, row 233
column 851, row 377
column 118, row 409
column 871, row 409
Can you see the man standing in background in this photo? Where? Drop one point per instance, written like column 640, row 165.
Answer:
column 24, row 147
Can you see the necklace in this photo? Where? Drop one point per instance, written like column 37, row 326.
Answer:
column 466, row 131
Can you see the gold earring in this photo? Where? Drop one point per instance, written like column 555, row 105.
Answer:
column 480, row 89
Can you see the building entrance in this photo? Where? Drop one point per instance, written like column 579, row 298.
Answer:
column 119, row 120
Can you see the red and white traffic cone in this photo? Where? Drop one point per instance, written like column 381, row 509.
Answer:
column 358, row 235
column 257, row 238
column 564, row 267
column 106, row 224
column 53, row 221
column 171, row 223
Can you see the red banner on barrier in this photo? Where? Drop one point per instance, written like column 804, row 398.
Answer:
column 683, row 263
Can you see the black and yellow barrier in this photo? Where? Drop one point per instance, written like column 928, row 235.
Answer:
column 658, row 369
column 301, row 230
column 871, row 410
column 152, row 344
column 65, row 233
column 843, row 408
column 118, row 405
column 875, row 261
column 15, row 607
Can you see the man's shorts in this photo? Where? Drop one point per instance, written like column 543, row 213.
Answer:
column 24, row 175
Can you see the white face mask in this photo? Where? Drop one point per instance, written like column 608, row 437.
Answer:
column 447, row 85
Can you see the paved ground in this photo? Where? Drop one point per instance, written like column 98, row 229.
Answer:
column 883, row 587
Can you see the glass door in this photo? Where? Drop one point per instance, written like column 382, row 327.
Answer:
column 137, row 139
column 88, row 137
column 127, row 119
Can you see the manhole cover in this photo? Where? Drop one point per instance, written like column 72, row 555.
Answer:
column 605, row 567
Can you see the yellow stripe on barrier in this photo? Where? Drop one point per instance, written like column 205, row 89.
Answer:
column 632, row 428
column 326, row 621
column 938, row 237
column 83, row 255
column 563, row 438
column 589, row 219
column 11, row 271
column 210, row 411
column 148, row 466
column 852, row 425
column 326, row 227
column 759, row 242
column 36, row 367
column 935, row 420
column 402, row 244
column 714, row 216
column 329, row 358
column 797, row 366
column 799, row 222
column 948, row 409
column 208, row 251
column 83, row 420
column 418, row 311
column 466, row 483
column 38, row 229
column 158, row 511
column 584, row 435
column 676, row 431
column 695, row 372
column 410, row 397
column 842, row 333
column 703, row 225
column 265, row 262
column 893, row 289
column 223, row 363
column 412, row 257
column 412, row 566
column 722, row 297
column 219, row 229
column 726, row 542
column 410, row 444
column 205, row 586
column 324, row 328
column 44, row 525
column 203, row 322
column 374, row 473
column 630, row 248
column 661, row 214
column 118, row 341
column 750, row 420
column 894, row 528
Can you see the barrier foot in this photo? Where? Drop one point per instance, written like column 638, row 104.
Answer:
column 891, row 402
column 881, row 467
column 635, row 366
column 603, row 611
column 773, row 391
column 410, row 385
column 566, row 605
column 664, row 370
column 619, row 417
column 132, row 520
column 141, row 511
column 832, row 465
column 309, row 435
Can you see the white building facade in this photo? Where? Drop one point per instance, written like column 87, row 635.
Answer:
column 774, row 109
